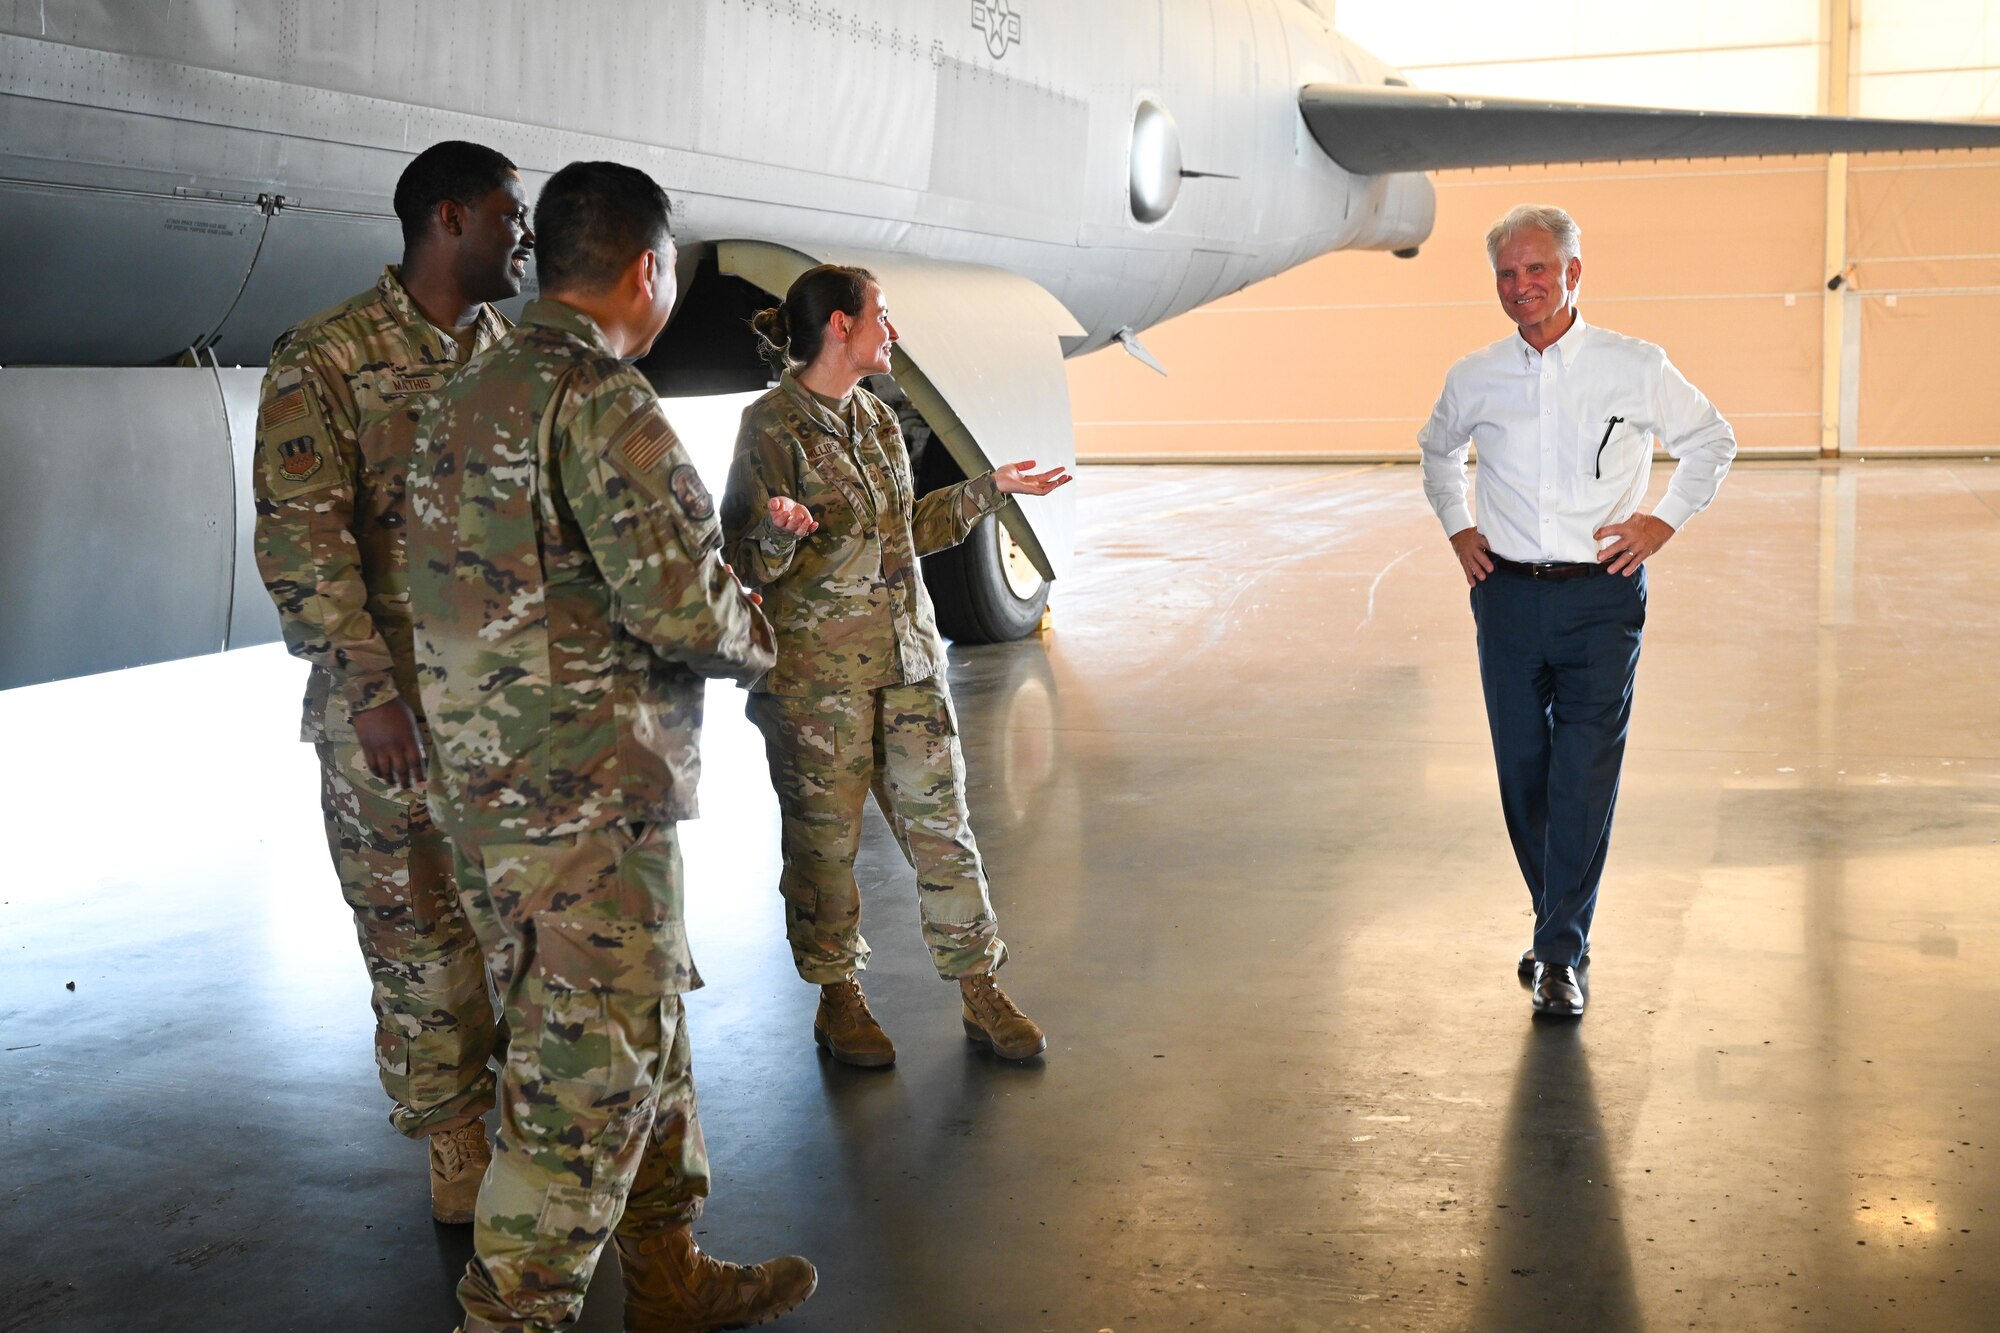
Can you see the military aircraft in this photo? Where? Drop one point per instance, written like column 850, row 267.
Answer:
column 1032, row 179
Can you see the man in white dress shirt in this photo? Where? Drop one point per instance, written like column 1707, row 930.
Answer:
column 1563, row 416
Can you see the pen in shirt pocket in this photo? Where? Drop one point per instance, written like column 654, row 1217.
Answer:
column 1597, row 467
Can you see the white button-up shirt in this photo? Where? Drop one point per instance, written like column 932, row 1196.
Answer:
column 1538, row 420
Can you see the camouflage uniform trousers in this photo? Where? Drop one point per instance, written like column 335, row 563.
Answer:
column 598, row 1125
column 434, row 1022
column 826, row 751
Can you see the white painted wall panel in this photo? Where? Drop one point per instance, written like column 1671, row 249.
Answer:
column 1948, row 95
column 1469, row 32
column 1783, row 80
column 1898, row 36
column 1937, row 58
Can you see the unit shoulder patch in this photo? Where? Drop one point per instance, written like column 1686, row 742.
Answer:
column 690, row 494
column 299, row 459
column 642, row 449
column 292, row 441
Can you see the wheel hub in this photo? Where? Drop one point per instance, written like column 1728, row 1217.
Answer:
column 1023, row 579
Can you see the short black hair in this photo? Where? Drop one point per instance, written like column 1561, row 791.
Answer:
column 592, row 220
column 456, row 170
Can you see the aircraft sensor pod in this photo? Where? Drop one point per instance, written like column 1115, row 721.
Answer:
column 1156, row 162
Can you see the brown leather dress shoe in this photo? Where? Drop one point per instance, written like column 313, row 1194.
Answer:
column 1557, row 992
column 847, row 1027
column 1527, row 965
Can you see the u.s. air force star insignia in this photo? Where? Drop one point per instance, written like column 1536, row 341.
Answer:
column 1001, row 24
column 690, row 494
column 299, row 459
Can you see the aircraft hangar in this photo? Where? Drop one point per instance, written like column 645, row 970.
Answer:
column 1235, row 790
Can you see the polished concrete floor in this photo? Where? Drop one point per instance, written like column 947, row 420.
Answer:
column 1244, row 838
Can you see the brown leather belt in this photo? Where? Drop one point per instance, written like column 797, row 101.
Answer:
column 1553, row 571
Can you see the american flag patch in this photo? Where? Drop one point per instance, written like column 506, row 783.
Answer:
column 646, row 441
column 286, row 407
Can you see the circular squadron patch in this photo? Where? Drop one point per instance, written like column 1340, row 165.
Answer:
column 690, row 494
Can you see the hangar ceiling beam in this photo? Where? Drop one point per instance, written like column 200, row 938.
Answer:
column 1840, row 309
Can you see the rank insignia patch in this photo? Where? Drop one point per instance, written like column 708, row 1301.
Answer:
column 690, row 494
column 300, row 459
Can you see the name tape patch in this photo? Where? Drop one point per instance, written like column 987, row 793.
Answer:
column 407, row 384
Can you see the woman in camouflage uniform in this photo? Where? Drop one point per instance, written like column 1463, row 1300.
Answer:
column 820, row 518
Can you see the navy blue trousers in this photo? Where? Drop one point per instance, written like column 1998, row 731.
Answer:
column 1557, row 662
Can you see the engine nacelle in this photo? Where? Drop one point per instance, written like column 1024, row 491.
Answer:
column 1393, row 212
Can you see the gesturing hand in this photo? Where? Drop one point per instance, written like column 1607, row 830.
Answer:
column 1474, row 555
column 391, row 743
column 1638, row 537
column 791, row 516
column 1015, row 479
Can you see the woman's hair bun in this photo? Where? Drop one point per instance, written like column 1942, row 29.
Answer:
column 792, row 333
column 772, row 326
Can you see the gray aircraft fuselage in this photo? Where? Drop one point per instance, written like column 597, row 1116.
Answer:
column 181, row 181
column 137, row 141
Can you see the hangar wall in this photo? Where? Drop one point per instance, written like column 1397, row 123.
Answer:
column 1723, row 263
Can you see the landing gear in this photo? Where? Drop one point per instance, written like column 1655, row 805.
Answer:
column 985, row 589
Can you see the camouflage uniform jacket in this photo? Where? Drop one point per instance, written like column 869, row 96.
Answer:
column 847, row 601
column 334, row 427
column 569, row 590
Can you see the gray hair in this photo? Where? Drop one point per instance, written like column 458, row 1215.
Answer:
column 1560, row 226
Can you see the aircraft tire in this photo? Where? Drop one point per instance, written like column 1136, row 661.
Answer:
column 976, row 601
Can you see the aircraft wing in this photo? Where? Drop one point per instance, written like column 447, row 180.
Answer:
column 1371, row 131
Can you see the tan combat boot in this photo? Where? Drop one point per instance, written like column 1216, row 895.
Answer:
column 994, row 1019
column 672, row 1287
column 458, row 1163
column 848, row 1030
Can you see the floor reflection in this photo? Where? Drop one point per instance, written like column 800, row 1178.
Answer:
column 1557, row 1252
column 1239, row 817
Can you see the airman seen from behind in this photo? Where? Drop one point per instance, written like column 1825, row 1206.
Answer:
column 570, row 598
